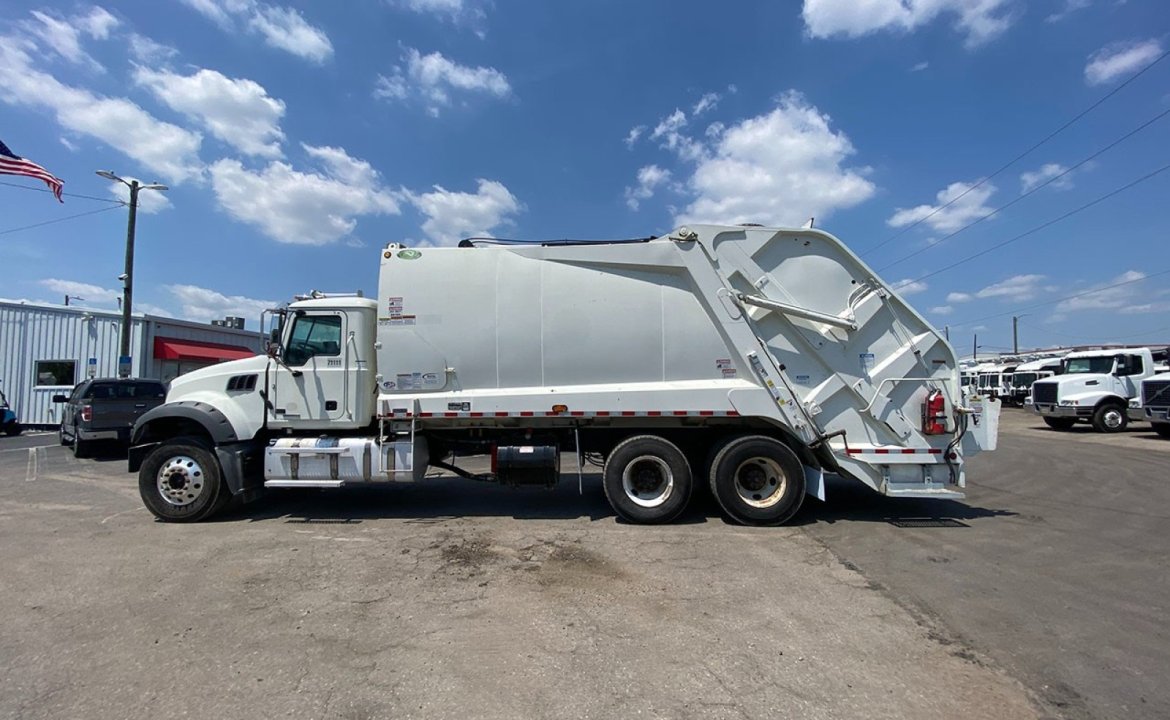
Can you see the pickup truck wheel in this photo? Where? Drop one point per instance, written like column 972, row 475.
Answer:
column 80, row 447
column 1110, row 418
column 61, row 437
column 647, row 479
column 757, row 480
column 180, row 481
column 1163, row 429
column 1059, row 423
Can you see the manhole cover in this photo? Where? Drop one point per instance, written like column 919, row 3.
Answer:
column 928, row 523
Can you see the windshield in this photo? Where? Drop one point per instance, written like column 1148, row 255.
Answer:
column 1023, row 380
column 1083, row 365
column 989, row 380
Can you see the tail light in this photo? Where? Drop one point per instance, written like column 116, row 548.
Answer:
column 87, row 413
column 495, row 459
column 934, row 414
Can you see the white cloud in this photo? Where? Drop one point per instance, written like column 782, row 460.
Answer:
column 149, row 52
column 707, row 102
column 303, row 208
column 1119, row 59
column 150, row 202
column 919, row 67
column 63, row 35
column 433, row 77
column 281, row 27
column 91, row 294
column 1017, row 287
column 1108, row 298
column 909, row 286
column 237, row 111
column 204, row 305
column 286, row 29
column 779, row 168
column 978, row 20
column 963, row 210
column 1048, row 171
column 649, row 178
column 633, row 135
column 468, row 12
column 452, row 216
column 163, row 148
column 1070, row 7
column 668, row 132
column 942, row 310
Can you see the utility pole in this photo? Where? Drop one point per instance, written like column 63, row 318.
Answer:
column 128, row 273
column 1015, row 334
column 975, row 346
column 947, row 332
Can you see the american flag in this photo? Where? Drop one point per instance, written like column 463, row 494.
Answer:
column 13, row 164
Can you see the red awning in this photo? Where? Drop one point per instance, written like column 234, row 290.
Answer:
column 168, row 349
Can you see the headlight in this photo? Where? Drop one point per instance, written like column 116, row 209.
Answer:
column 1135, row 403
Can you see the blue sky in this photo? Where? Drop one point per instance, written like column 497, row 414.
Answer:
column 297, row 137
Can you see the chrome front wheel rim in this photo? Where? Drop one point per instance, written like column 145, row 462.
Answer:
column 181, row 480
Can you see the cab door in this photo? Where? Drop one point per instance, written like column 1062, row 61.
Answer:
column 310, row 383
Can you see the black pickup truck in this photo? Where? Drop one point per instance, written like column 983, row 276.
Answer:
column 105, row 409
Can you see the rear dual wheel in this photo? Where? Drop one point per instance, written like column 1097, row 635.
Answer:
column 757, row 480
column 647, row 480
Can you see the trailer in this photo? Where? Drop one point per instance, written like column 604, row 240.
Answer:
column 748, row 359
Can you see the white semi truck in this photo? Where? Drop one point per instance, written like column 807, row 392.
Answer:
column 1027, row 373
column 1095, row 386
column 1153, row 405
column 754, row 360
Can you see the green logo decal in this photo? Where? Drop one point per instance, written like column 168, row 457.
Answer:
column 409, row 254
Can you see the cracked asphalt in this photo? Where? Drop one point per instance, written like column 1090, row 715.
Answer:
column 451, row 599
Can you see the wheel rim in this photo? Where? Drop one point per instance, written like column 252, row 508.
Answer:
column 181, row 480
column 760, row 482
column 648, row 481
column 1113, row 418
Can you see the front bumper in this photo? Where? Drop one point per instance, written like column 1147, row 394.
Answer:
column 1068, row 411
column 1155, row 415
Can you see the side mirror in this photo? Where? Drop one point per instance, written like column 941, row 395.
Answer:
column 60, row 398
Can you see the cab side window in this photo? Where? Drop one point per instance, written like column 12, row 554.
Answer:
column 313, row 335
column 1135, row 365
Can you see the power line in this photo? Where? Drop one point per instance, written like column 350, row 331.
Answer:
column 1032, row 191
column 57, row 220
column 72, row 195
column 1019, row 157
column 1086, row 337
column 1066, row 297
column 1041, row 226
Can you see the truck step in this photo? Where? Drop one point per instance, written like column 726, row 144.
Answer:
column 920, row 490
column 303, row 483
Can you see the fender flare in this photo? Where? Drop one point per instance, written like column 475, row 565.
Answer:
column 1112, row 400
column 217, row 425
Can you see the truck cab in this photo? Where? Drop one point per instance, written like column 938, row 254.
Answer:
column 1028, row 373
column 1153, row 405
column 1095, row 386
column 994, row 379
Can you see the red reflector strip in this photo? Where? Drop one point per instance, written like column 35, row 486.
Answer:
column 573, row 413
column 894, row 451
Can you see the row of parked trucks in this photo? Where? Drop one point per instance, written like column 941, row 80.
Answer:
column 1107, row 388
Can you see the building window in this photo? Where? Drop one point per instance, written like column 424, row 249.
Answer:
column 56, row 372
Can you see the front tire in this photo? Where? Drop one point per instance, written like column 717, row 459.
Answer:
column 1110, row 418
column 1059, row 423
column 1163, row 429
column 13, row 429
column 758, row 480
column 647, row 480
column 180, row 481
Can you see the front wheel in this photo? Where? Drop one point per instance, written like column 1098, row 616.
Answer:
column 1110, row 418
column 758, row 480
column 13, row 429
column 180, row 481
column 1059, row 423
column 1163, row 429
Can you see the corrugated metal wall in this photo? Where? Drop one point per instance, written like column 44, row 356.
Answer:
column 29, row 333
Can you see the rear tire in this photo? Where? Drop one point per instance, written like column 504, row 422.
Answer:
column 1059, row 423
column 80, row 447
column 1110, row 418
column 1163, row 429
column 180, row 481
column 757, row 480
column 12, row 429
column 647, row 480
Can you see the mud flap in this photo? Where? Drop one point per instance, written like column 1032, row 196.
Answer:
column 814, row 482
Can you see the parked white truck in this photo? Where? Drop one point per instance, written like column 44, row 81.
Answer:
column 1027, row 373
column 752, row 359
column 1153, row 405
column 1096, row 386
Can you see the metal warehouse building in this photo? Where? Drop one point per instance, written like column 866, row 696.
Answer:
column 47, row 349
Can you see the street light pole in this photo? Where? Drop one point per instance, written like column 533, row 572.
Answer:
column 128, row 277
column 128, row 272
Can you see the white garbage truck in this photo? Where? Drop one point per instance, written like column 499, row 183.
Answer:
column 750, row 359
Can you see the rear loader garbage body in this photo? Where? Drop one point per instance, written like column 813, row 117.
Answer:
column 753, row 360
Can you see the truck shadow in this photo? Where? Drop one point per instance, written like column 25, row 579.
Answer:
column 449, row 498
column 850, row 501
